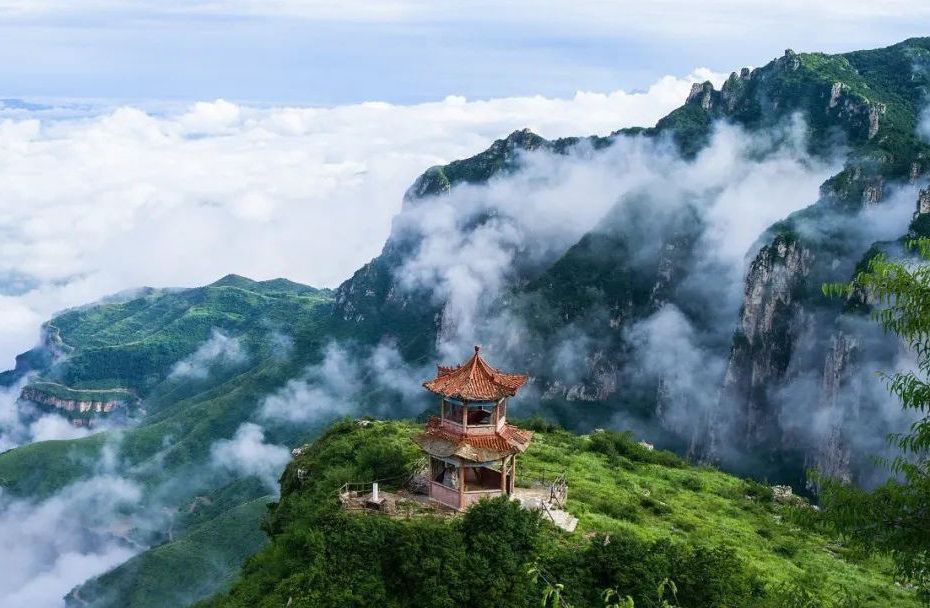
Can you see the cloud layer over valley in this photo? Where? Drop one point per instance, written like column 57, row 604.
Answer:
column 121, row 198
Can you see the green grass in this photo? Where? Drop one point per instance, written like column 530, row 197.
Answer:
column 53, row 389
column 616, row 488
column 704, row 505
column 40, row 469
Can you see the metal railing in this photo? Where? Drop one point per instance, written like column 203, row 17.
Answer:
column 358, row 488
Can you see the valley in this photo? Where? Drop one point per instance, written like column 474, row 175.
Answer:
column 664, row 280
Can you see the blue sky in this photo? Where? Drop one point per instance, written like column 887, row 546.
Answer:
column 406, row 51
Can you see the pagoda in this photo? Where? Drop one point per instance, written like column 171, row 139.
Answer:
column 472, row 450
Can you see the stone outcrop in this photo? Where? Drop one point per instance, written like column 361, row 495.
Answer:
column 835, row 92
column 923, row 201
column 872, row 193
column 702, row 93
column 789, row 61
column 838, row 405
column 74, row 408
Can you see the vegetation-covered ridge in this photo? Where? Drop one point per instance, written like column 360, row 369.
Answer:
column 645, row 516
column 203, row 528
column 866, row 104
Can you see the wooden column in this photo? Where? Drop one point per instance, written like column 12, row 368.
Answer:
column 464, row 417
column 461, row 487
column 503, row 475
column 513, row 471
column 442, row 409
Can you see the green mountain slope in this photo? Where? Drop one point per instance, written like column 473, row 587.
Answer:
column 135, row 342
column 722, row 540
column 865, row 105
column 208, row 541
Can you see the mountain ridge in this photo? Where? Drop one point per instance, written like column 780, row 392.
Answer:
column 284, row 328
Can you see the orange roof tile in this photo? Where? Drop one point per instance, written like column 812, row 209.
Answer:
column 475, row 380
column 440, row 441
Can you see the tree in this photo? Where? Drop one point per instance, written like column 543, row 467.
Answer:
column 501, row 538
column 895, row 518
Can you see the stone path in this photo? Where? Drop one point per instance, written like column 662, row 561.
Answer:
column 537, row 499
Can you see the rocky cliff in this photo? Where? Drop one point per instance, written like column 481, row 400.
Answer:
column 81, row 407
column 583, row 306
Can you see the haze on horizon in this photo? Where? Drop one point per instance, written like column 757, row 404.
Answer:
column 408, row 51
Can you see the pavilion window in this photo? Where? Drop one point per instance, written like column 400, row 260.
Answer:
column 482, row 478
column 453, row 412
column 480, row 414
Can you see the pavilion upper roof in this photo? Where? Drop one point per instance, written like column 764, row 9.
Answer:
column 475, row 380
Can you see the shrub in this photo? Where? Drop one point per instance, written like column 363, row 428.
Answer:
column 787, row 549
column 537, row 423
column 758, row 491
column 657, row 507
column 704, row 577
column 617, row 509
column 693, row 483
column 615, row 445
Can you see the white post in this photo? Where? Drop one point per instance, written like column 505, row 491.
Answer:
column 374, row 492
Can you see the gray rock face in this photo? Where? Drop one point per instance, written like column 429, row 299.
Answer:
column 835, row 92
column 876, row 111
column 923, row 201
column 838, row 404
column 770, row 321
column 789, row 61
column 872, row 193
column 702, row 93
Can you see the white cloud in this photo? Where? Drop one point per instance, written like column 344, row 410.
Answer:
column 923, row 126
column 219, row 350
column 248, row 454
column 739, row 185
column 126, row 198
column 48, row 547
column 375, row 381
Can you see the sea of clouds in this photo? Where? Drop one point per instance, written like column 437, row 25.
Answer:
column 111, row 199
column 101, row 200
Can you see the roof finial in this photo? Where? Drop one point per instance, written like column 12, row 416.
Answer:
column 477, row 348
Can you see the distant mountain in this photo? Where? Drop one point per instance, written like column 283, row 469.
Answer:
column 774, row 384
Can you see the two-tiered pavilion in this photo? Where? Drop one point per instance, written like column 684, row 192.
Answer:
column 472, row 449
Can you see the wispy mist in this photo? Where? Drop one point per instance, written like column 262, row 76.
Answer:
column 49, row 546
column 219, row 351
column 22, row 423
column 350, row 380
column 247, row 453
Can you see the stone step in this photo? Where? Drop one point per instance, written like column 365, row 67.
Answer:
column 564, row 520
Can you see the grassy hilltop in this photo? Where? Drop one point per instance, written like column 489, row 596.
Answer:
column 644, row 516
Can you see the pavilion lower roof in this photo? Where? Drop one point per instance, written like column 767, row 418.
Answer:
column 440, row 442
